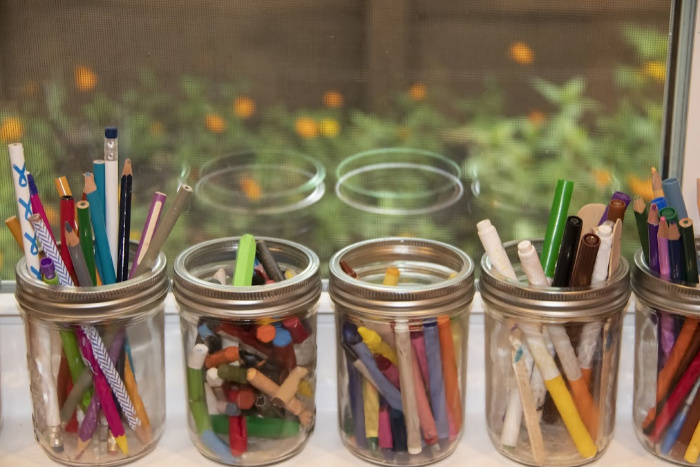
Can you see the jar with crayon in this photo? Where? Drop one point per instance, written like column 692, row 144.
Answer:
column 553, row 329
column 666, row 402
column 93, row 308
column 401, row 308
column 248, row 318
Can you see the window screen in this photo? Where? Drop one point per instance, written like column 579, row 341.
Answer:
column 328, row 122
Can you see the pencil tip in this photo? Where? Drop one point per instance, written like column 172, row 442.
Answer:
column 127, row 168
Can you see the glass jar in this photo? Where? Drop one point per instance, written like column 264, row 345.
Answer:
column 118, row 414
column 250, row 352
column 552, row 356
column 402, row 318
column 666, row 405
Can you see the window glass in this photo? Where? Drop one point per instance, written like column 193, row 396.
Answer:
column 328, row 122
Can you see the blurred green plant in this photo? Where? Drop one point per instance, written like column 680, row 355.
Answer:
column 509, row 164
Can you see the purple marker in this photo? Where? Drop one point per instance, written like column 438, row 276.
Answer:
column 617, row 195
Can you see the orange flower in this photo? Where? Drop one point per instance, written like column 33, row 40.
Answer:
column 656, row 70
column 156, row 128
column 11, row 130
column 306, row 127
column 521, row 53
column 333, row 99
column 85, row 78
column 52, row 215
column 536, row 117
column 641, row 187
column 417, row 92
column 215, row 123
column 602, row 177
column 243, row 107
column 329, row 127
column 251, row 189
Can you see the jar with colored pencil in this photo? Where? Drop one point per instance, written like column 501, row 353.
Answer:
column 402, row 317
column 248, row 318
column 666, row 403
column 552, row 353
column 96, row 365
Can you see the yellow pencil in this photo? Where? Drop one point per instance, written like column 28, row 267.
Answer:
column 557, row 389
column 133, row 390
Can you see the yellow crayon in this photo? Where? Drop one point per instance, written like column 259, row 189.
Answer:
column 377, row 345
column 693, row 451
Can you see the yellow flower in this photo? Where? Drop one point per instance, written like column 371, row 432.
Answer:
column 536, row 117
column 521, row 53
column 333, row 99
column 655, row 70
column 156, row 128
column 329, row 128
column 306, row 127
column 602, row 177
column 215, row 123
column 243, row 107
column 251, row 188
column 85, row 78
column 641, row 187
column 417, row 92
column 11, row 130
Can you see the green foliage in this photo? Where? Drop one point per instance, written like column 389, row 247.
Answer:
column 509, row 164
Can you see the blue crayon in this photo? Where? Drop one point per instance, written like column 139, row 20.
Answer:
column 674, row 196
column 384, row 386
column 398, row 430
column 675, row 429
column 660, row 202
column 356, row 404
column 216, row 445
column 438, row 403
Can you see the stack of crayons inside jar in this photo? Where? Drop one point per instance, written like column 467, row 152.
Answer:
column 250, row 381
column 94, row 409
column 667, row 403
column 551, row 376
column 402, row 377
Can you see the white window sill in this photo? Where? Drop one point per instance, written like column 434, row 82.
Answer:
column 19, row 449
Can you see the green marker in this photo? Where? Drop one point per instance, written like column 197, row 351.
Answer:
column 259, row 427
column 245, row 261
column 555, row 226
column 670, row 214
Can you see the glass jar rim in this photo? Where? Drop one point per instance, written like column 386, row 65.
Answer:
column 91, row 305
column 414, row 301
column 206, row 298
column 521, row 299
column 658, row 293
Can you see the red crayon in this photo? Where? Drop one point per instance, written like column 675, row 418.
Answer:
column 237, row 435
column 242, row 396
column 388, row 369
column 244, row 336
column 296, row 328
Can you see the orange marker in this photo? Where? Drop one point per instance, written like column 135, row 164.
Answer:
column 449, row 371
column 227, row 355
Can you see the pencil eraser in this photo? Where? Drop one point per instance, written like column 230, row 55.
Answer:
column 111, row 132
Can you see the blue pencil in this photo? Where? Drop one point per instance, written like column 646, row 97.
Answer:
column 107, row 272
column 98, row 170
column 438, row 403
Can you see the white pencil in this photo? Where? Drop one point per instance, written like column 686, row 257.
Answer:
column 112, row 191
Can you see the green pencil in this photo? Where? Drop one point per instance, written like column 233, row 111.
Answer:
column 85, row 231
column 690, row 256
column 641, row 215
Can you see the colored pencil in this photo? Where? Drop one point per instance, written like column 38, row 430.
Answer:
column 690, row 256
column 86, row 242
column 13, row 224
column 641, row 214
column 149, row 229
column 124, row 222
column 107, row 272
column 163, row 230
column 653, row 229
column 656, row 184
column 555, row 226
column 76, row 253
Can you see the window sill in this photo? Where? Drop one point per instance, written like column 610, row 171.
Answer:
column 19, row 449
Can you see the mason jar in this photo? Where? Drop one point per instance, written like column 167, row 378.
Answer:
column 96, row 365
column 402, row 318
column 552, row 357
column 250, row 352
column 666, row 405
